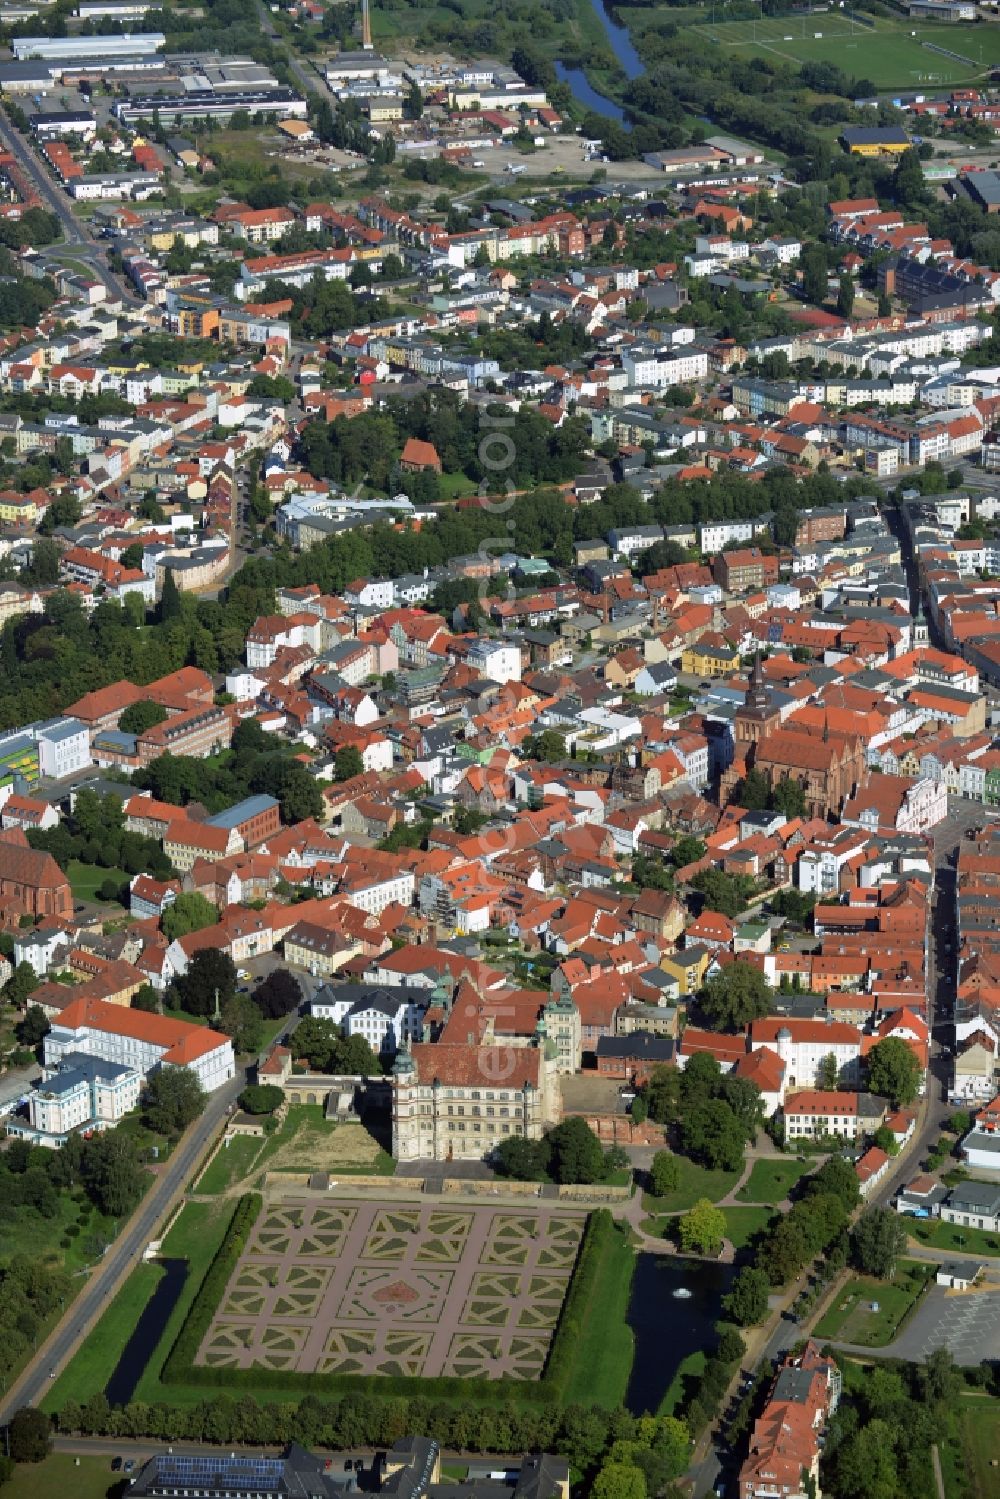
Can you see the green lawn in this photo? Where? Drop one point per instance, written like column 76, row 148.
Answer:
column 940, row 1235
column 851, row 1319
column 230, row 1164
column 743, row 1223
column 979, row 1430
column 85, row 879
column 890, row 55
column 63, row 1477
column 771, row 1181
column 604, row 1353
column 695, row 1182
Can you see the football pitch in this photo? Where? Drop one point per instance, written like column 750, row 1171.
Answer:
column 890, row 55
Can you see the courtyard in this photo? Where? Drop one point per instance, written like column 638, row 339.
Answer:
column 359, row 1287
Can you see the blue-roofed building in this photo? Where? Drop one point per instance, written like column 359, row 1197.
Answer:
column 80, row 1093
column 255, row 819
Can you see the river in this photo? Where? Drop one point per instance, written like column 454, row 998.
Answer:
column 668, row 1327
column 628, row 58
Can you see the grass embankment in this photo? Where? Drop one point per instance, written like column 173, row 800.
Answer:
column 229, row 1165
column 851, row 1318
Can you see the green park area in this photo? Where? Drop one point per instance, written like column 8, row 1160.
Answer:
column 869, row 1312
column 977, row 1464
column 694, row 1182
column 938, row 1235
column 60, row 1476
column 772, row 1181
column 87, row 879
column 743, row 1224
column 889, row 54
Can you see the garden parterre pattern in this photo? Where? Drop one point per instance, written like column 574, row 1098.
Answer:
column 380, row 1288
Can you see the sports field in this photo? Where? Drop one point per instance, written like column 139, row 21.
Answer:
column 890, row 54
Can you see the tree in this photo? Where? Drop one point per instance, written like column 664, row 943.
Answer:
column 33, row 1029
column 299, row 795
column 877, row 1240
column 210, row 977
column 521, row 1159
column 737, row 995
column 837, row 1177
column 660, row 1093
column 619, row 1481
column 242, row 1022
column 173, row 1099
column 940, row 1377
column 894, row 1071
column 865, row 1464
column 355, row 1058
column 260, row 1098
column 755, row 792
column 170, row 599
column 29, row 1435
column 746, row 1303
column 725, row 893
column 886, row 1140
column 845, row 295
column 548, row 746
column 789, row 798
column 712, row 1134
column 960, row 1122
column 815, row 272
column 575, row 1152
column 827, row 1073
column 140, row 716
column 112, row 1173
column 277, row 995
column 21, row 983
column 703, row 1229
column 146, row 998
column 348, row 763
column 189, row 912
column 664, row 1173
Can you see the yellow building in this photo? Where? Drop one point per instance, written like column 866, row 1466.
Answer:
column 688, row 968
column 17, row 509
column 711, row 656
column 881, row 140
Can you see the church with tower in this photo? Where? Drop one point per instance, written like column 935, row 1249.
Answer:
column 830, row 767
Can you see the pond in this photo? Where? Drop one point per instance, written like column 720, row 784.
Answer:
column 628, row 58
column 147, row 1332
column 668, row 1327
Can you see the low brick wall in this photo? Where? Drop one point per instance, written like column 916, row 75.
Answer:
column 281, row 1183
column 455, row 1186
column 593, row 1193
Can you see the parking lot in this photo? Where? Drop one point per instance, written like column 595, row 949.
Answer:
column 967, row 1323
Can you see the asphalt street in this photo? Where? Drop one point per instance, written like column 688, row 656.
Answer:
column 77, row 238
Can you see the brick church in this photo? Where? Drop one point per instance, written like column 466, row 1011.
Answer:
column 829, row 767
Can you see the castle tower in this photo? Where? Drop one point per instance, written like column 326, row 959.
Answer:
column 366, row 27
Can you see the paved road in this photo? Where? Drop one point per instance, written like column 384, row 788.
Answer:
column 77, row 237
